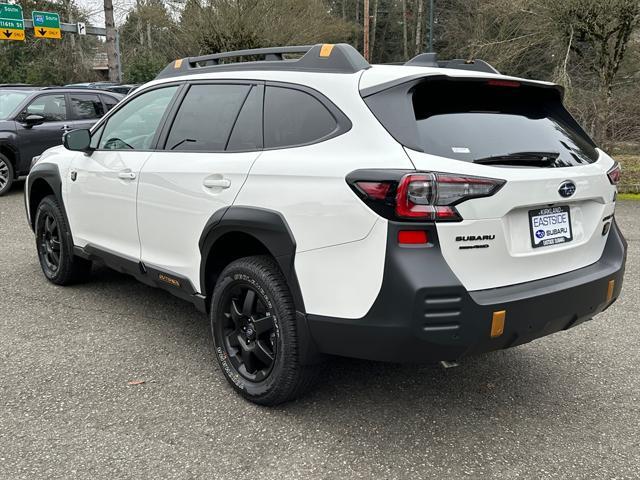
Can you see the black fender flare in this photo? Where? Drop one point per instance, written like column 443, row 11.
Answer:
column 271, row 229
column 9, row 147
column 267, row 226
column 50, row 174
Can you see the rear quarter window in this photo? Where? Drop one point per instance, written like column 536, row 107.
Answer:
column 293, row 117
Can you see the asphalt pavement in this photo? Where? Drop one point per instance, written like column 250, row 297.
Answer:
column 563, row 407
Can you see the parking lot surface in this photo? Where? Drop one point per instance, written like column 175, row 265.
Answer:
column 563, row 407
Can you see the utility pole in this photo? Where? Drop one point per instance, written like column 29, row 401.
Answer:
column 366, row 30
column 112, row 53
column 419, row 20
column 431, row 25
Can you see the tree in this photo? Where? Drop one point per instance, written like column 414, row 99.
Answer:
column 599, row 33
column 112, row 56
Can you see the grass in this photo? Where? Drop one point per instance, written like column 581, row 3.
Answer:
column 629, row 196
column 630, row 183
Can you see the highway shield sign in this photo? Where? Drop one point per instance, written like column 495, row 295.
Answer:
column 46, row 24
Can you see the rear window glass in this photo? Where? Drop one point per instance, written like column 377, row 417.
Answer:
column 293, row 117
column 477, row 122
column 206, row 117
column 86, row 106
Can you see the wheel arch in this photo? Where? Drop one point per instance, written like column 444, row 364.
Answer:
column 8, row 150
column 237, row 232
column 44, row 179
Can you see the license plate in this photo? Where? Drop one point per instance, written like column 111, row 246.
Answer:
column 550, row 226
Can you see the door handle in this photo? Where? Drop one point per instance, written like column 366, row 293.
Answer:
column 127, row 175
column 217, row 183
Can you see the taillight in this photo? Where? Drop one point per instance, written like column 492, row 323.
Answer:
column 614, row 174
column 423, row 196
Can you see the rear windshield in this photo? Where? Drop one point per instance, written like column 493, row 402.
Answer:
column 484, row 121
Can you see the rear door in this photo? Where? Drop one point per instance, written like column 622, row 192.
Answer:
column 207, row 152
column 86, row 109
column 550, row 215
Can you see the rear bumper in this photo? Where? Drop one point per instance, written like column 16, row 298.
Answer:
column 423, row 313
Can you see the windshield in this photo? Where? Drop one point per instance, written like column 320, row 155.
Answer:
column 9, row 100
column 476, row 121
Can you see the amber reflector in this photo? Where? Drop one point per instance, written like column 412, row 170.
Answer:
column 497, row 323
column 325, row 51
column 610, row 288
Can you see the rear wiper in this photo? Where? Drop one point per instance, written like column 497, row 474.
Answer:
column 533, row 159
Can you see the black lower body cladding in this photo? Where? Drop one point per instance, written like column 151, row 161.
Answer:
column 424, row 314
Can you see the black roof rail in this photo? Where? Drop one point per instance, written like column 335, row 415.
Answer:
column 329, row 58
column 430, row 60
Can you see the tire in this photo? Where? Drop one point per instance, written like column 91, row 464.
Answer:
column 52, row 242
column 6, row 175
column 253, row 321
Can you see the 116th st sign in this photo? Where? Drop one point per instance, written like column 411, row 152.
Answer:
column 46, row 24
column 11, row 24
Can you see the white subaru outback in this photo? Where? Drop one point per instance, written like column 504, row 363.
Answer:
column 321, row 205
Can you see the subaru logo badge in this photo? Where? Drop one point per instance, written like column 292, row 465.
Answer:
column 567, row 189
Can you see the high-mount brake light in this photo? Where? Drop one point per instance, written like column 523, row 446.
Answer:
column 503, row 83
column 419, row 196
column 614, row 174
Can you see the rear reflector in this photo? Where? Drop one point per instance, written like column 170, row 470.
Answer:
column 497, row 323
column 412, row 237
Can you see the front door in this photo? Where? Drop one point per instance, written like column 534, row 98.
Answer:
column 208, row 152
column 103, row 185
column 36, row 139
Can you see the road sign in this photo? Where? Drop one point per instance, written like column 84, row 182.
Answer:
column 46, row 24
column 11, row 23
column 82, row 28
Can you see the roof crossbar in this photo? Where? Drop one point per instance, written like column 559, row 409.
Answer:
column 338, row 58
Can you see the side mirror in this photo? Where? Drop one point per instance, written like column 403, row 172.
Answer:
column 77, row 140
column 32, row 120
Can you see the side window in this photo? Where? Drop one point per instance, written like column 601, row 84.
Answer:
column 52, row 107
column 247, row 132
column 134, row 125
column 206, row 117
column 86, row 106
column 109, row 102
column 293, row 117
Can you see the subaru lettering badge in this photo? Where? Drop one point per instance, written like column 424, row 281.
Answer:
column 567, row 189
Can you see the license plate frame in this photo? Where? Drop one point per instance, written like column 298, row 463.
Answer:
column 546, row 235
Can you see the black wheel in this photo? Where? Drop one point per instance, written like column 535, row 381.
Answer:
column 253, row 321
column 6, row 175
column 58, row 264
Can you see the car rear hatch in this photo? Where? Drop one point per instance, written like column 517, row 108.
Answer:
column 553, row 211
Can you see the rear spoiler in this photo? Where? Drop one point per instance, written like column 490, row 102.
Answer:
column 367, row 92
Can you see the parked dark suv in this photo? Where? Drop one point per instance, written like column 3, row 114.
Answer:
column 34, row 119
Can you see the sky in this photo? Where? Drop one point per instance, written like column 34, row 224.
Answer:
column 95, row 7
